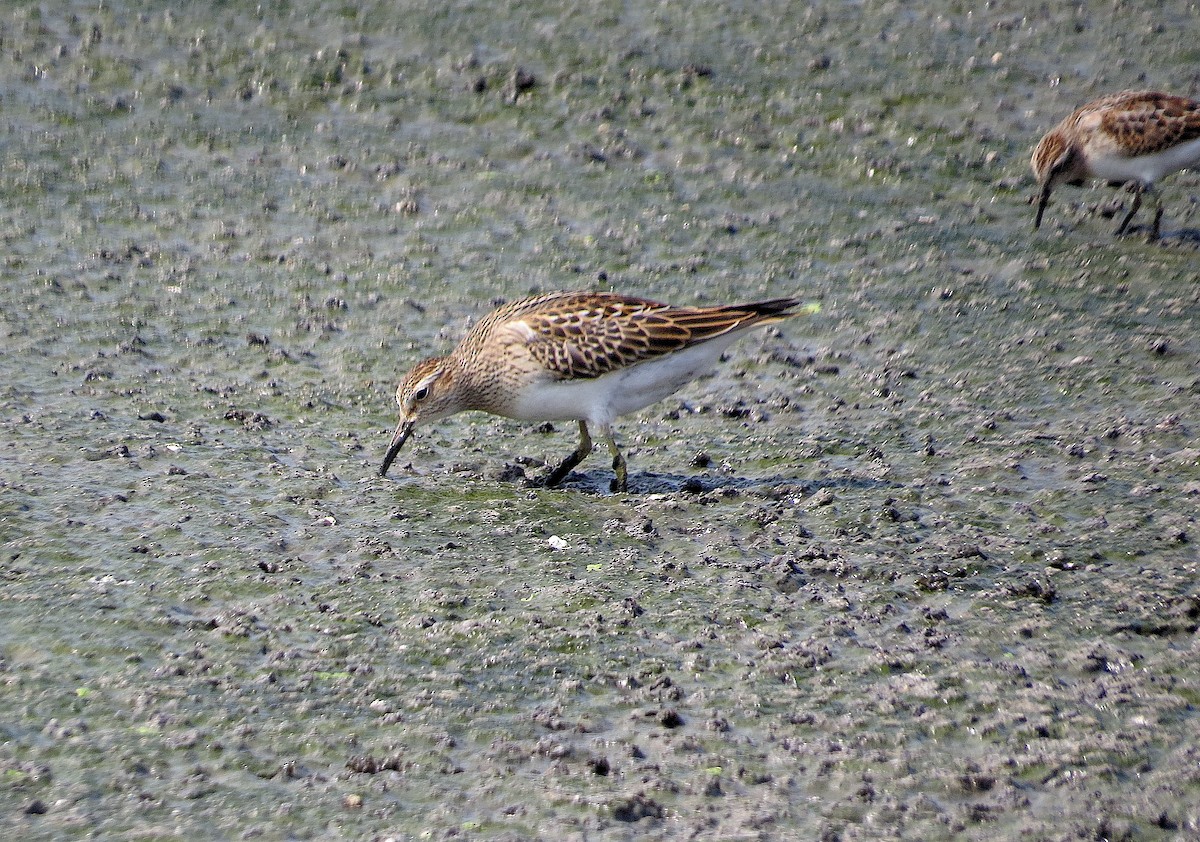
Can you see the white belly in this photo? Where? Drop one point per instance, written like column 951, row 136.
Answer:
column 1147, row 169
column 602, row 399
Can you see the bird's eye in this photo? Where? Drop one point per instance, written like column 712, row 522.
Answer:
column 421, row 394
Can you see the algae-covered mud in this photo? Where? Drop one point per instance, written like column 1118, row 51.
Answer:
column 921, row 565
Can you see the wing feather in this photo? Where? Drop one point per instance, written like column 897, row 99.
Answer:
column 1149, row 121
column 586, row 335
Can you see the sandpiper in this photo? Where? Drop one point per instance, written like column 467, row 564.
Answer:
column 576, row 356
column 1132, row 138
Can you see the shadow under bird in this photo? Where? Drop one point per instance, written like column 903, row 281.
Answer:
column 1132, row 138
column 577, row 356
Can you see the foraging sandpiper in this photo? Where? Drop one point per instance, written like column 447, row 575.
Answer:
column 1133, row 138
column 582, row 356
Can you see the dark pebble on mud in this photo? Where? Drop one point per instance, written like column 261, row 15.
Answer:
column 521, row 81
column 510, row 473
column 736, row 409
column 670, row 718
column 370, row 765
column 635, row 808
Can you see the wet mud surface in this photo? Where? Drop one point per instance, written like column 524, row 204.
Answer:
column 920, row 566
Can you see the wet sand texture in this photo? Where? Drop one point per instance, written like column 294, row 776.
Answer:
column 922, row 566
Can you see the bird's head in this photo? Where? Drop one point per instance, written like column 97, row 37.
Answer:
column 1055, row 161
column 427, row 393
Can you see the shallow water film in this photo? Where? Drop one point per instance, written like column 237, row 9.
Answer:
column 921, row 565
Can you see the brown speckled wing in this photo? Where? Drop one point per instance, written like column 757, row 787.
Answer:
column 1145, row 122
column 585, row 335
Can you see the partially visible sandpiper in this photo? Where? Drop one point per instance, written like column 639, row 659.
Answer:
column 576, row 356
column 1133, row 138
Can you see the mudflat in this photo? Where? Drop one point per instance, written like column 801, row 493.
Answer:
column 922, row 565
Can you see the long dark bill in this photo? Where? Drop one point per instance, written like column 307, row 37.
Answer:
column 1042, row 202
column 403, row 431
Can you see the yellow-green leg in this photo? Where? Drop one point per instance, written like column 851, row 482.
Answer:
column 621, row 480
column 1154, row 231
column 577, row 455
column 1136, row 188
